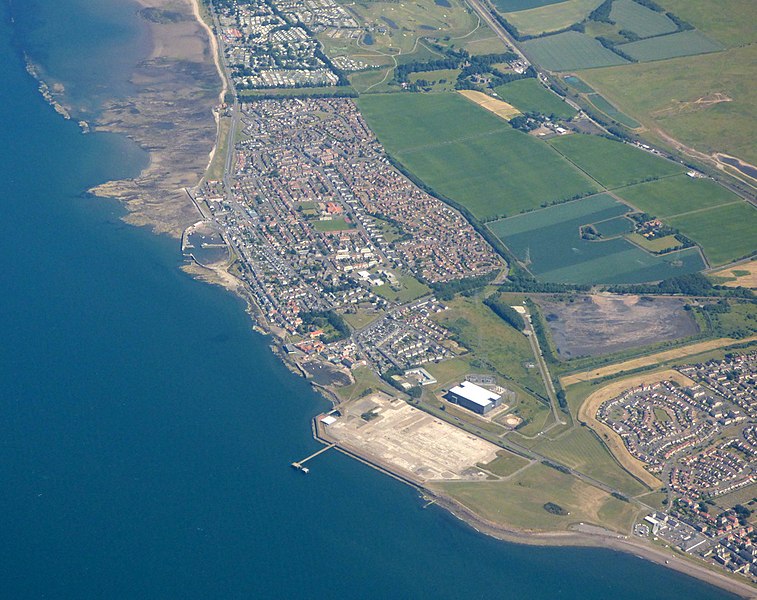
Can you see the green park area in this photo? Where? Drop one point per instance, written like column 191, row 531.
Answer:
column 332, row 225
column 528, row 95
column 471, row 156
column 406, row 289
column 611, row 163
column 519, row 501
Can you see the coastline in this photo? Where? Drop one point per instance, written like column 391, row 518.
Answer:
column 177, row 160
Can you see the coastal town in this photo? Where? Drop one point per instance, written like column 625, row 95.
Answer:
column 351, row 263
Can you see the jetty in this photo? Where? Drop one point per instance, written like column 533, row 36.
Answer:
column 300, row 465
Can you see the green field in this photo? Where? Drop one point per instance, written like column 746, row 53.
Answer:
column 505, row 464
column 668, row 242
column 725, row 232
column 729, row 21
column 471, row 156
column 613, row 164
column 551, row 17
column 515, row 5
column 582, row 450
column 643, row 21
column 683, row 43
column 407, row 289
column 519, row 501
column 676, row 195
column 570, row 51
column 578, row 85
column 411, row 121
column 549, row 242
column 439, row 81
column 614, row 227
column 333, row 225
column 528, row 95
column 704, row 101
column 603, row 105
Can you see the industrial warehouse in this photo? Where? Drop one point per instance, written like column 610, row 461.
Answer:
column 474, row 397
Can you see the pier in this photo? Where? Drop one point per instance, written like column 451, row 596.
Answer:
column 300, row 465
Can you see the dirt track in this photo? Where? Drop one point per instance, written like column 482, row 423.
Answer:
column 652, row 359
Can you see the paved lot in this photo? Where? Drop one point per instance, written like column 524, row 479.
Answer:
column 408, row 438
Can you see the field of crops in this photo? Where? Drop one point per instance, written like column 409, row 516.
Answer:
column 549, row 242
column 725, row 233
column 499, row 174
column 643, row 21
column 676, row 195
column 406, row 121
column 471, row 156
column 514, row 5
column 613, row 164
column 684, row 43
column 602, row 104
column 550, row 17
column 614, row 227
column 530, row 95
column 570, row 51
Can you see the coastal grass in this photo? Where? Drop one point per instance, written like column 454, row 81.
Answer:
column 582, row 450
column 676, row 195
column 549, row 16
column 725, row 233
column 218, row 164
column 505, row 464
column 519, row 502
column 528, row 95
column 613, row 164
column 366, row 381
column 706, row 102
column 471, row 156
column 570, row 51
column 549, row 242
column 683, row 43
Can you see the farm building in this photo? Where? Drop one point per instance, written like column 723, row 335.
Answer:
column 474, row 397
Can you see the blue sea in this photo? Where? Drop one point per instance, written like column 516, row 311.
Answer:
column 146, row 431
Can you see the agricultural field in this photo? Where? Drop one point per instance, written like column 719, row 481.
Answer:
column 517, row 502
column 613, row 164
column 578, row 85
column 726, row 233
column 683, row 43
column 601, row 104
column 515, row 5
column 729, row 21
column 707, row 101
column 529, row 95
column 676, row 195
column 495, row 106
column 439, row 81
column 663, row 244
column 570, row 51
column 471, row 156
column 614, row 227
column 548, row 16
column 548, row 241
column 643, row 21
column 412, row 121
